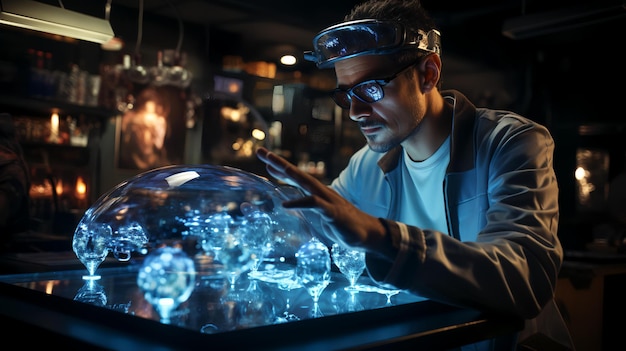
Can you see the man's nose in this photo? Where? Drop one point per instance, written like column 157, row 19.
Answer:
column 359, row 110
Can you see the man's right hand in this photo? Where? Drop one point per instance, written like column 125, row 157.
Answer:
column 342, row 221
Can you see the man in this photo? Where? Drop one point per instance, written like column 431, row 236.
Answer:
column 452, row 202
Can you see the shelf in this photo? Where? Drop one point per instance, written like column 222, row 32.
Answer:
column 68, row 155
column 49, row 105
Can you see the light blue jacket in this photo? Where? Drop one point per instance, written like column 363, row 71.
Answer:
column 501, row 197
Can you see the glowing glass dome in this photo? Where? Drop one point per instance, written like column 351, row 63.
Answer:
column 218, row 211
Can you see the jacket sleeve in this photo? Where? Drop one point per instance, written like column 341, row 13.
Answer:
column 512, row 266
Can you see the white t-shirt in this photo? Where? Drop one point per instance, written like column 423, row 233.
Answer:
column 421, row 203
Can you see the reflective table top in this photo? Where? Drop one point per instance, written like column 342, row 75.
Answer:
column 259, row 313
column 215, row 305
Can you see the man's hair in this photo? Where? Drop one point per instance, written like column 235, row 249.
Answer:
column 408, row 13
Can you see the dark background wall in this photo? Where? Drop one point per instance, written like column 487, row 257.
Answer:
column 570, row 79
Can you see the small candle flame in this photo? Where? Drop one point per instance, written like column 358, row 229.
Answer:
column 54, row 127
column 59, row 187
column 81, row 188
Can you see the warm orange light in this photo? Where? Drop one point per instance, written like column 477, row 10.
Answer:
column 233, row 87
column 54, row 127
column 50, row 286
column 81, row 188
column 59, row 187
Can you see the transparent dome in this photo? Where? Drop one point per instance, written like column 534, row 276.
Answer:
column 218, row 211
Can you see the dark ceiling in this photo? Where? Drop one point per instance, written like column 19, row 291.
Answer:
column 473, row 29
column 263, row 23
column 259, row 22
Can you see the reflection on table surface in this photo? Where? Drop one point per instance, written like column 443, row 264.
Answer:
column 266, row 298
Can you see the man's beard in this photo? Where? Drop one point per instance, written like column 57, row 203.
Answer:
column 395, row 141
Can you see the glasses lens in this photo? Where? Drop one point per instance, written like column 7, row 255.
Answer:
column 342, row 98
column 368, row 91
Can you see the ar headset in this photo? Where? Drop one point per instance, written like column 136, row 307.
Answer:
column 367, row 37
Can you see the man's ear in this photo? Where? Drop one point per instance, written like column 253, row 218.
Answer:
column 430, row 67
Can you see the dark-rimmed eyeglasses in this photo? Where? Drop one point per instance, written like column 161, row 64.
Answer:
column 368, row 91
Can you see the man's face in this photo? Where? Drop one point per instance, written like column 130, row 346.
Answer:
column 388, row 122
